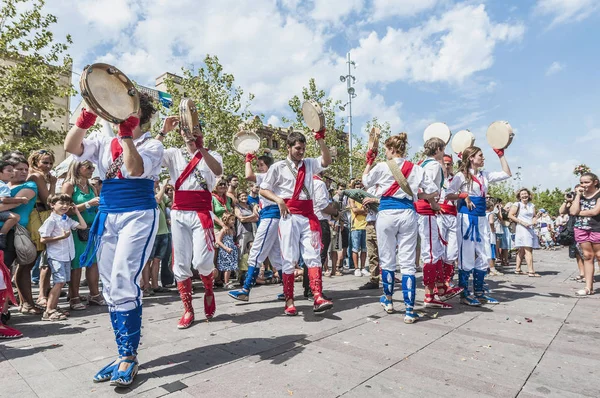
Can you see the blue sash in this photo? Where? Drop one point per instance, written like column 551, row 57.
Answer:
column 270, row 212
column 392, row 203
column 117, row 196
column 479, row 211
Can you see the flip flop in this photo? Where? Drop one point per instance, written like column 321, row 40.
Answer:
column 519, row 272
column 533, row 275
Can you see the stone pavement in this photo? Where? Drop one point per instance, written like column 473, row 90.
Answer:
column 357, row 350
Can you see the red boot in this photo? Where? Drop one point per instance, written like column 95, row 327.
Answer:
column 315, row 276
column 288, row 293
column 210, row 306
column 6, row 332
column 185, row 292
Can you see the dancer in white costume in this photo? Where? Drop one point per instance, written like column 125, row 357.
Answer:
column 194, row 170
column 289, row 183
column 123, row 232
column 470, row 185
column 397, row 220
column 266, row 240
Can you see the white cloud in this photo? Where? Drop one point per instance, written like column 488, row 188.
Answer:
column 591, row 135
column 383, row 9
column 555, row 67
column 443, row 49
column 274, row 121
column 335, row 10
column 565, row 11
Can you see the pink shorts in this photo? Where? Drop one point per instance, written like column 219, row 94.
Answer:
column 584, row 235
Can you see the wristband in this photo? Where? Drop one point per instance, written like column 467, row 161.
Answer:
column 463, row 195
column 320, row 135
column 86, row 119
column 199, row 142
column 250, row 157
column 124, row 137
column 162, row 134
column 499, row 152
column 126, row 127
column 370, row 157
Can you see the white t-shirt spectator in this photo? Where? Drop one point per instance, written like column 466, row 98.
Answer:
column 55, row 225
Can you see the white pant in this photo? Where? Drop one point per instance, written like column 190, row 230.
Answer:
column 266, row 244
column 2, row 283
column 397, row 240
column 473, row 254
column 447, row 226
column 189, row 245
column 432, row 249
column 295, row 239
column 124, row 249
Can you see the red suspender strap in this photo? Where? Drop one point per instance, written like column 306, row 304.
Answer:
column 188, row 170
column 406, row 170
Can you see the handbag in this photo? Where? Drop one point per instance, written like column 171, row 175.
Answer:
column 83, row 234
column 566, row 237
column 25, row 248
column 513, row 225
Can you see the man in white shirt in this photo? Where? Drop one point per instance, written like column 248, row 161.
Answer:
column 289, row 183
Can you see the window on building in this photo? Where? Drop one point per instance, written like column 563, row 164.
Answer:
column 31, row 118
column 275, row 144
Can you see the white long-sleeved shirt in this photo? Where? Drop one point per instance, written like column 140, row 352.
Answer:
column 175, row 161
column 281, row 181
column 459, row 183
column 320, row 199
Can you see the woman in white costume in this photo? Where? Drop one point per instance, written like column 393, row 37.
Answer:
column 524, row 215
column 470, row 186
column 397, row 220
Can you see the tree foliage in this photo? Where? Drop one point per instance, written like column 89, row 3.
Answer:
column 31, row 66
column 550, row 200
column 221, row 108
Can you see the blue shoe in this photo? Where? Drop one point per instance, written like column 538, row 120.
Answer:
column 411, row 317
column 106, row 373
column 387, row 305
column 240, row 294
column 470, row 301
column 484, row 299
column 281, row 297
column 124, row 378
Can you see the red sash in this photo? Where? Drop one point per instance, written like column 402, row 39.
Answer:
column 305, row 208
column 10, row 296
column 424, row 208
column 116, row 150
column 448, row 208
column 198, row 201
column 406, row 169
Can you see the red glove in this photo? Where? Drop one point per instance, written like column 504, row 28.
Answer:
column 371, row 155
column 250, row 157
column 199, row 142
column 85, row 120
column 126, row 127
column 499, row 152
column 320, row 135
column 460, row 156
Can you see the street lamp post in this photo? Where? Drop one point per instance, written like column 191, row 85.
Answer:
column 349, row 79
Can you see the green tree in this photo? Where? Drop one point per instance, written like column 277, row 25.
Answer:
column 221, row 108
column 32, row 64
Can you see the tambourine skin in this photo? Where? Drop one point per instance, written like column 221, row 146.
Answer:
column 462, row 140
column 374, row 138
column 245, row 142
column 313, row 115
column 108, row 92
column 437, row 130
column 189, row 122
column 500, row 134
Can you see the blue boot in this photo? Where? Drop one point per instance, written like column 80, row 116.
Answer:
column 387, row 278
column 466, row 297
column 243, row 294
column 479, row 288
column 409, row 291
column 106, row 372
column 128, row 327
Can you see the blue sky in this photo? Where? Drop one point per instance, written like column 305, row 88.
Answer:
column 533, row 63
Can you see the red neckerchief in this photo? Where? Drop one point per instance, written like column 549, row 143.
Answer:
column 406, row 170
column 223, row 202
column 299, row 182
column 481, row 187
column 317, row 178
column 188, row 170
column 116, row 150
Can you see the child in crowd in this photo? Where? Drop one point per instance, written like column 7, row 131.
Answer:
column 10, row 219
column 228, row 254
column 491, row 216
column 55, row 233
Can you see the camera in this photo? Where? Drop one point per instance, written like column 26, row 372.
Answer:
column 570, row 195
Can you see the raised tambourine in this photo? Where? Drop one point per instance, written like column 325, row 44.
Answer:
column 313, row 115
column 500, row 134
column 462, row 140
column 245, row 142
column 374, row 138
column 108, row 92
column 189, row 123
column 437, row 130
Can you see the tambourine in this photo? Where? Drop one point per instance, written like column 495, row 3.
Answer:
column 462, row 140
column 500, row 134
column 245, row 142
column 189, row 122
column 313, row 115
column 374, row 138
column 108, row 92
column 437, row 130
column 358, row 195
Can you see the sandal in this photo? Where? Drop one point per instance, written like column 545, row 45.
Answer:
column 76, row 304
column 338, row 273
column 579, row 278
column 584, row 292
column 495, row 272
column 519, row 272
column 64, row 312
column 53, row 315
column 42, row 303
column 533, row 275
column 26, row 309
column 96, row 300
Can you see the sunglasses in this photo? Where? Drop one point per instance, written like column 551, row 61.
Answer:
column 47, row 163
column 90, row 167
column 222, row 185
